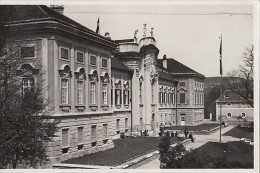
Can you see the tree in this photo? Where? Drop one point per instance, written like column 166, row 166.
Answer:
column 25, row 122
column 169, row 155
column 245, row 86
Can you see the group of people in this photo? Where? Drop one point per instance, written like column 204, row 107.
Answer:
column 172, row 134
column 144, row 133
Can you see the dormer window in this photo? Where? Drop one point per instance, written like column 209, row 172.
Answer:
column 93, row 60
column 104, row 62
column 229, row 104
column 64, row 53
column 80, row 57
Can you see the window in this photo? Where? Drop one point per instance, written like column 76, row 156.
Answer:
column 140, row 94
column 229, row 104
column 182, row 83
column 161, row 95
column 80, row 135
column 65, row 137
column 126, row 96
column 165, row 97
column 229, row 114
column 182, row 97
column 169, row 98
column 118, row 97
column 118, row 124
column 104, row 94
column 243, row 115
column 173, row 98
column 27, row 51
column 93, row 93
column 112, row 93
column 27, row 84
column 141, row 123
column 104, row 62
column 93, row 133
column 152, row 92
column 104, row 131
column 93, row 60
column 64, row 91
column 79, row 92
column 64, row 53
column 80, row 56
column 126, row 123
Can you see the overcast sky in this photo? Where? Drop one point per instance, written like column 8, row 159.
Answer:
column 188, row 33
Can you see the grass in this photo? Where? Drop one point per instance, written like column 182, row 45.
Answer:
column 236, row 154
column 124, row 150
column 206, row 126
column 239, row 132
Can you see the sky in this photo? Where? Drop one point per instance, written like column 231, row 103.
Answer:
column 188, row 33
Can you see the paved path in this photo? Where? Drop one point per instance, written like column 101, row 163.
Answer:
column 200, row 140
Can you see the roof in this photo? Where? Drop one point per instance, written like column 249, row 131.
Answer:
column 176, row 67
column 31, row 13
column 165, row 76
column 230, row 97
column 118, row 65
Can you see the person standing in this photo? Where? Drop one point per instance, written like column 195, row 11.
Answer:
column 186, row 132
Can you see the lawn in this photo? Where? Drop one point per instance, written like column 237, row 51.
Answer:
column 206, row 126
column 235, row 154
column 124, row 150
column 240, row 132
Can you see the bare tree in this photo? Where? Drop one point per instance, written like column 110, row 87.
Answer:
column 244, row 87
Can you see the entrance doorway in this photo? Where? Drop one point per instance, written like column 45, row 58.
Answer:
column 153, row 122
column 182, row 119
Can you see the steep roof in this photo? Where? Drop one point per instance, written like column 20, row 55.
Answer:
column 165, row 76
column 176, row 67
column 230, row 96
column 118, row 65
column 35, row 13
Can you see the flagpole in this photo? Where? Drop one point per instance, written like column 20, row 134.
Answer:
column 221, row 85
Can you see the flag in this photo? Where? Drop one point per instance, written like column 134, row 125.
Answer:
column 97, row 30
column 220, row 53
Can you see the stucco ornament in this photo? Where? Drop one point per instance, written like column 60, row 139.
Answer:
column 135, row 36
column 145, row 30
column 153, row 74
column 152, row 34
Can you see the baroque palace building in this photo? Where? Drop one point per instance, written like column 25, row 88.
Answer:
column 101, row 87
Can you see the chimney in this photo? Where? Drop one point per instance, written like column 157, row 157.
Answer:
column 58, row 8
column 107, row 35
column 164, row 61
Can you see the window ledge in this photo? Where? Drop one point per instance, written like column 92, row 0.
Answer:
column 64, row 59
column 65, row 105
column 118, row 106
column 105, row 107
column 65, row 147
column 80, row 62
column 93, row 107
